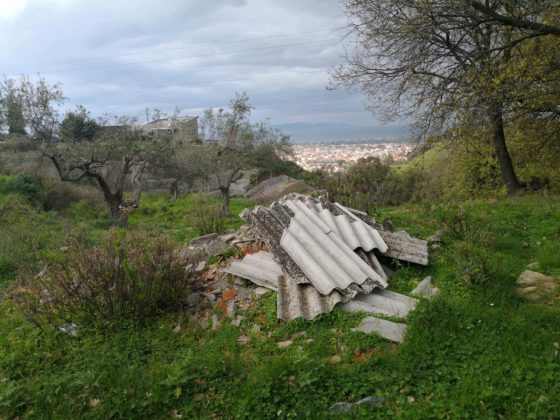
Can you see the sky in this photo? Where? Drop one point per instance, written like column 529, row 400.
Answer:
column 123, row 56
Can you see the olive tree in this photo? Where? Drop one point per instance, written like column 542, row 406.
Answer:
column 232, row 141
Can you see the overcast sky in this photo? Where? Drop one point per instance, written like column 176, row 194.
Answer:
column 123, row 56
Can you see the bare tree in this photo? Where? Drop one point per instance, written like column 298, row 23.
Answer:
column 434, row 60
column 231, row 141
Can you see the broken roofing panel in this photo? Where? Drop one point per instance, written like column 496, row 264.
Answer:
column 260, row 268
column 382, row 302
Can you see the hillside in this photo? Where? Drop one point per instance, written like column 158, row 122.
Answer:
column 477, row 350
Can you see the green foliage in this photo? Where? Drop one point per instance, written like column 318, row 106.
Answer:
column 25, row 185
column 78, row 125
column 206, row 215
column 131, row 276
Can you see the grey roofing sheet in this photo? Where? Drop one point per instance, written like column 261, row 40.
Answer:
column 382, row 302
column 260, row 268
column 400, row 244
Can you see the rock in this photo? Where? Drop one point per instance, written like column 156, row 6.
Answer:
column 69, row 328
column 389, row 330
column 237, row 321
column 210, row 296
column 230, row 308
column 177, row 329
column 425, row 289
column 299, row 334
column 215, row 247
column 239, row 282
column 204, row 323
column 243, row 339
column 309, row 341
column 201, row 265
column 193, row 299
column 261, row 291
column 215, row 322
column 285, row 344
column 536, row 287
column 256, row 328
column 341, row 407
column 436, row 237
column 228, row 237
column 335, row 359
column 202, row 240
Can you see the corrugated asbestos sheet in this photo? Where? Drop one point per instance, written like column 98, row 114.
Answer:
column 400, row 245
column 323, row 254
column 309, row 251
column 260, row 268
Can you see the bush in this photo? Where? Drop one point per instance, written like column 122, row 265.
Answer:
column 133, row 276
column 25, row 185
column 206, row 215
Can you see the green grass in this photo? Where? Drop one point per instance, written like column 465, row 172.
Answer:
column 476, row 351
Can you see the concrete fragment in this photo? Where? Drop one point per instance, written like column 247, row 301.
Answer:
column 425, row 289
column 237, row 321
column 389, row 330
column 201, row 240
column 69, row 328
column 215, row 247
column 284, row 344
column 215, row 322
column 243, row 339
column 261, row 291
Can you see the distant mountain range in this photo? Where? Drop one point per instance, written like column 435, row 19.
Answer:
column 334, row 132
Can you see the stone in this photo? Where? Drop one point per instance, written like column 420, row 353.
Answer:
column 237, row 321
column 243, row 339
column 216, row 247
column 425, row 289
column 230, row 308
column 210, row 296
column 389, row 330
column 215, row 322
column 193, row 299
column 69, row 328
column 256, row 328
column 284, row 344
column 202, row 240
column 200, row 266
column 177, row 329
column 436, row 237
column 228, row 237
column 204, row 323
column 536, row 287
column 299, row 334
column 335, row 359
column 341, row 407
column 261, row 291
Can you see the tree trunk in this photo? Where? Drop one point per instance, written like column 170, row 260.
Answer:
column 225, row 204
column 174, row 189
column 502, row 153
column 117, row 213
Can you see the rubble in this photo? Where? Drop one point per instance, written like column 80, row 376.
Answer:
column 425, row 289
column 315, row 255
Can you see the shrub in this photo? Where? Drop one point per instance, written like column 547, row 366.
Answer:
column 133, row 276
column 206, row 215
column 25, row 185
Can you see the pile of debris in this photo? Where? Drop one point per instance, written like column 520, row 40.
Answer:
column 316, row 254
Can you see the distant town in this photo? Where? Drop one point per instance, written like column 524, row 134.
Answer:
column 338, row 157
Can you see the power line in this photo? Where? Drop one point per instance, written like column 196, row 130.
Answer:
column 192, row 56
column 191, row 46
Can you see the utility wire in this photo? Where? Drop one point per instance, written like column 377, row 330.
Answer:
column 188, row 47
column 190, row 56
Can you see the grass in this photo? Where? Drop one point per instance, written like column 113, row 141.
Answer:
column 476, row 351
